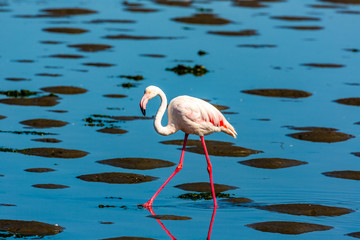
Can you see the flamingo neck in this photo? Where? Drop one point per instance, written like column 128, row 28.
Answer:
column 170, row 128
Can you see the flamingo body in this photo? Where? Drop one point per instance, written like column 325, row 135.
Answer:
column 190, row 115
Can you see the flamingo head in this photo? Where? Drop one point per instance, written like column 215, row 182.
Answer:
column 149, row 93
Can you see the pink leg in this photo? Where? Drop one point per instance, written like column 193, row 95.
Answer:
column 178, row 168
column 209, row 168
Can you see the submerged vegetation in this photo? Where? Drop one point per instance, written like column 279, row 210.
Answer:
column 197, row 70
column 135, row 77
column 28, row 132
column 99, row 120
column 203, row 195
column 16, row 93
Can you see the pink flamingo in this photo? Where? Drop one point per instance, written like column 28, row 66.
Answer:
column 192, row 116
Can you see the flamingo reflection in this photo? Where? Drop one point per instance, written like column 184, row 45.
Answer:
column 150, row 209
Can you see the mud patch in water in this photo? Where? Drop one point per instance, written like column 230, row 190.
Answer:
column 100, row 21
column 64, row 90
column 2, row 117
column 50, row 186
column 99, row 64
column 111, row 130
column 65, row 12
column 295, row 18
column 272, row 163
column 282, row 93
column 237, row 200
column 39, row 170
column 203, row 19
column 14, row 79
column 354, row 234
column 215, row 148
column 355, row 101
column 54, row 75
column 53, row 152
column 352, row 175
column 256, row 46
column 117, row 177
column 29, row 228
column 169, row 217
column 132, row 37
column 173, row 3
column 342, row 1
column 91, row 47
column 47, row 140
column 44, row 123
column 205, row 187
column 319, row 134
column 307, row 209
column 153, row 55
column 45, row 101
column 66, row 56
column 65, row 30
column 302, row 28
column 242, row 33
column 137, row 163
column 323, row 65
column 292, row 228
column 357, row 154
column 115, row 96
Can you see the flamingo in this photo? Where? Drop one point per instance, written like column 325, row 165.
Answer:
column 192, row 116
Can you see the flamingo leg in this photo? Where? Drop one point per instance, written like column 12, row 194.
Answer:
column 177, row 169
column 209, row 168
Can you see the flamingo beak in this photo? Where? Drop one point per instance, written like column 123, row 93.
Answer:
column 143, row 103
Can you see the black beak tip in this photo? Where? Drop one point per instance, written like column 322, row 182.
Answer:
column 143, row 111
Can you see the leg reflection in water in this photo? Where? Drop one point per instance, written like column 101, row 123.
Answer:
column 149, row 208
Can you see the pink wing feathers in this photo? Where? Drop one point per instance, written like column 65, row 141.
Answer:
column 199, row 111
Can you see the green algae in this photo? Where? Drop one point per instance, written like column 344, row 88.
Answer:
column 28, row 133
column 197, row 70
column 203, row 195
column 135, row 77
column 16, row 93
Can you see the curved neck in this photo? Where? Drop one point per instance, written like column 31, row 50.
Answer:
column 170, row 128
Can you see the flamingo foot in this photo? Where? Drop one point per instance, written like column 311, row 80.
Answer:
column 148, row 204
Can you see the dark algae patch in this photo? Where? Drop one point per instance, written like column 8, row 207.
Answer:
column 44, row 123
column 311, row 28
column 197, row 70
column 295, row 18
column 133, row 77
column 50, row 186
column 319, row 134
column 307, row 209
column 352, row 175
column 292, row 228
column 355, row 101
column 137, row 163
column 66, row 56
column 53, row 152
column 117, row 177
column 64, row 12
column 29, row 228
column 205, row 187
column 272, row 163
column 28, row 133
column 69, row 90
column 203, row 19
column 215, row 148
column 282, row 93
column 115, row 95
column 169, row 217
column 202, row 196
column 133, row 37
column 237, row 200
column 98, row 64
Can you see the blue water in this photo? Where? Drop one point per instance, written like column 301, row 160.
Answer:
column 232, row 70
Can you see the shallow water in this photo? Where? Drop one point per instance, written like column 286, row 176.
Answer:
column 311, row 46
